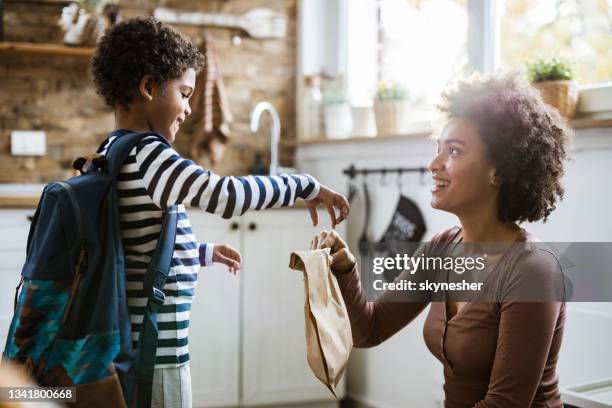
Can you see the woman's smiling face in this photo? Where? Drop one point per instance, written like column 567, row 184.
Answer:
column 463, row 177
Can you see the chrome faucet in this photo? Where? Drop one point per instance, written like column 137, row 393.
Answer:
column 275, row 136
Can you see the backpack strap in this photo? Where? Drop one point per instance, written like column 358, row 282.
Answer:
column 154, row 283
column 120, row 148
column 155, row 278
column 34, row 220
column 76, row 209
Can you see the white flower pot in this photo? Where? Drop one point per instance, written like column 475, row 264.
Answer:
column 392, row 117
column 338, row 121
column 364, row 123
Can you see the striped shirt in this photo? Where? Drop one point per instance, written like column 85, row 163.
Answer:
column 155, row 176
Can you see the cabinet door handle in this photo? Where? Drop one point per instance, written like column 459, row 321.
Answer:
column 234, row 226
column 252, row 226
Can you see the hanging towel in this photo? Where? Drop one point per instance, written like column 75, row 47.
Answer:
column 407, row 225
column 329, row 340
column 211, row 115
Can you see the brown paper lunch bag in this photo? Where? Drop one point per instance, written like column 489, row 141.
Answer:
column 329, row 339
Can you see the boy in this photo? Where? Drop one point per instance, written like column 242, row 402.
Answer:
column 146, row 71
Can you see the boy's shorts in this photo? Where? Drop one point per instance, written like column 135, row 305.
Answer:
column 172, row 387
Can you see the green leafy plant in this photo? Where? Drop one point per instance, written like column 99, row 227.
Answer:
column 333, row 97
column 92, row 6
column 549, row 69
column 391, row 91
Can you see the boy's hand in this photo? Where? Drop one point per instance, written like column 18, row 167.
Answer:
column 342, row 260
column 331, row 200
column 225, row 254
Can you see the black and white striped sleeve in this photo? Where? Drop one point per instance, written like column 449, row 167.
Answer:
column 205, row 253
column 170, row 179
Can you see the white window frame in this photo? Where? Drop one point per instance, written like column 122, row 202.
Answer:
column 483, row 42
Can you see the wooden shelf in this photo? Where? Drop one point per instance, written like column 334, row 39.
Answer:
column 45, row 2
column 359, row 139
column 25, row 48
column 590, row 123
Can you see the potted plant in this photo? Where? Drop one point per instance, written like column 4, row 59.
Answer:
column 391, row 109
column 338, row 117
column 554, row 79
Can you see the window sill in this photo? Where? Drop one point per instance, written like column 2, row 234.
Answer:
column 576, row 124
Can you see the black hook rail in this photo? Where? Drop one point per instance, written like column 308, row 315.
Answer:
column 352, row 171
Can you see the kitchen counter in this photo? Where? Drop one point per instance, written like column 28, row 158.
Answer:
column 20, row 195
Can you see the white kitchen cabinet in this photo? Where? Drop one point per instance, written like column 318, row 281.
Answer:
column 274, row 347
column 263, row 309
column 214, row 330
column 14, row 227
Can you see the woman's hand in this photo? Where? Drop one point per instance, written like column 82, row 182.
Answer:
column 225, row 254
column 342, row 260
column 331, row 200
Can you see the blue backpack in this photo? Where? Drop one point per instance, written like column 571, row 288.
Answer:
column 71, row 326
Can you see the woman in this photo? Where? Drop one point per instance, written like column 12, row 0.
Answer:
column 499, row 162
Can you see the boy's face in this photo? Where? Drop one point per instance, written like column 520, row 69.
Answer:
column 169, row 104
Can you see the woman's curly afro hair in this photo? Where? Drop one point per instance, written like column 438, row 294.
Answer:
column 135, row 48
column 525, row 139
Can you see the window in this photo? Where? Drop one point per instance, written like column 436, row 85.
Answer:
column 419, row 44
column 425, row 44
column 579, row 30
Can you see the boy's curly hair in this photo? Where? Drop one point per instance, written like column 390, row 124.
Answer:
column 525, row 139
column 139, row 47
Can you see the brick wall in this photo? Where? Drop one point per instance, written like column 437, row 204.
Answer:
column 55, row 93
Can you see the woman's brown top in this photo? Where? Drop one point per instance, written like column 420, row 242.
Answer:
column 495, row 354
